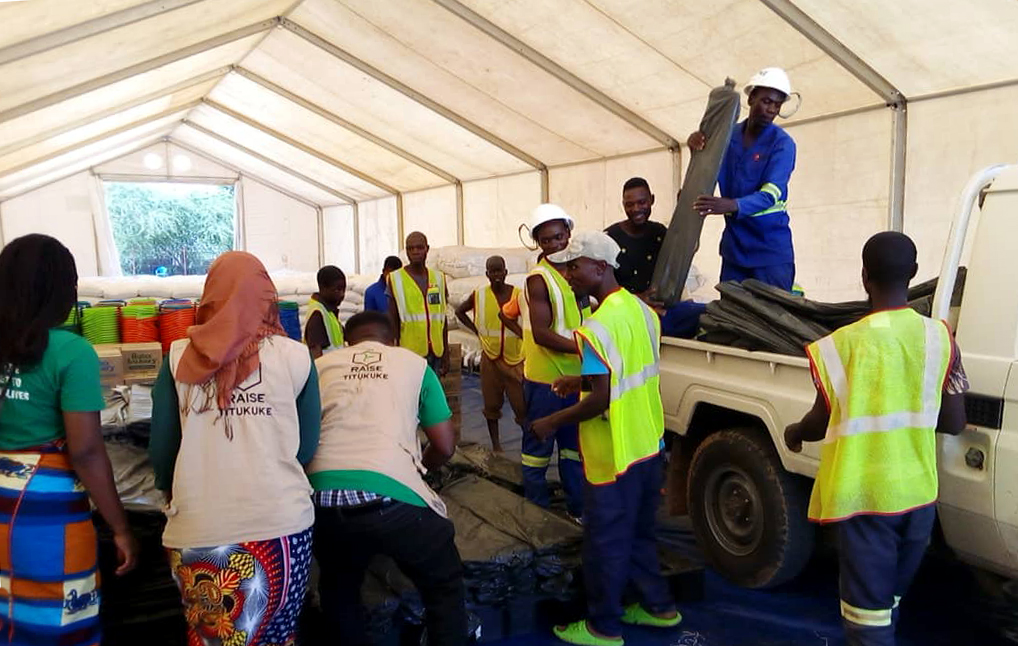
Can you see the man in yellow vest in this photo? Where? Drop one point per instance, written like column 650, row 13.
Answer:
column 621, row 427
column 885, row 385
column 549, row 312
column 501, row 347
column 417, row 298
column 323, row 332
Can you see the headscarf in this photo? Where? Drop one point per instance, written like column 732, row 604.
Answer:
column 238, row 309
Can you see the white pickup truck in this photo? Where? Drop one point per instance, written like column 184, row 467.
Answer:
column 747, row 494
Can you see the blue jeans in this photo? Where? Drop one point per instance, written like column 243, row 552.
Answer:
column 541, row 402
column 782, row 276
column 878, row 558
column 620, row 545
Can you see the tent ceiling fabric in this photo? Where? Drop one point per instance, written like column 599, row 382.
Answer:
column 357, row 99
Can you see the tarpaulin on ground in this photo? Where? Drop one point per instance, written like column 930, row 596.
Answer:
column 683, row 237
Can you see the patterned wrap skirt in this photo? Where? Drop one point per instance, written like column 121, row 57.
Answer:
column 49, row 585
column 247, row 594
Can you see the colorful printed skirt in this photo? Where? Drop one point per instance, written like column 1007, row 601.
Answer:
column 248, row 594
column 49, row 587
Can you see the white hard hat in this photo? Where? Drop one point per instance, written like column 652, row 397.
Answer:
column 546, row 213
column 772, row 77
column 596, row 245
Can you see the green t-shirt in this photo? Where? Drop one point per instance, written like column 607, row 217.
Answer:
column 433, row 408
column 65, row 380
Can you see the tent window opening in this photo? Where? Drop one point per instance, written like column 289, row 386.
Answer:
column 170, row 228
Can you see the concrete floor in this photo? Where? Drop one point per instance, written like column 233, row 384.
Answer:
column 949, row 604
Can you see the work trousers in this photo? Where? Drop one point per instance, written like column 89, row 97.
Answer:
column 782, row 276
column 498, row 380
column 682, row 320
column 417, row 539
column 620, row 546
column 879, row 556
column 541, row 402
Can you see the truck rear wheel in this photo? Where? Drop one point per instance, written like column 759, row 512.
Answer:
column 748, row 513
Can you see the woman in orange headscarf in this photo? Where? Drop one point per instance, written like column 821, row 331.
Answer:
column 236, row 414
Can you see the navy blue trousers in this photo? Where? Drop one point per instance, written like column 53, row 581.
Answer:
column 682, row 320
column 782, row 276
column 879, row 556
column 620, row 546
column 541, row 402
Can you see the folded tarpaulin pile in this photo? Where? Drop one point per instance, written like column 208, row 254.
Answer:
column 755, row 316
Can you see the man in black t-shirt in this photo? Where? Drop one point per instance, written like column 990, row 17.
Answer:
column 638, row 237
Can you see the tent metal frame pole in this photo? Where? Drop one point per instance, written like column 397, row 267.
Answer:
column 676, row 171
column 409, row 92
column 356, row 238
column 242, row 173
column 836, row 115
column 320, row 226
column 461, row 232
column 545, row 185
column 123, row 107
column 310, row 150
column 562, row 74
column 3, row 240
column 128, row 178
column 400, row 224
column 985, row 87
column 145, row 142
column 837, row 50
column 238, row 195
column 343, row 123
column 81, row 31
column 140, row 68
column 899, row 148
column 100, row 137
column 266, row 160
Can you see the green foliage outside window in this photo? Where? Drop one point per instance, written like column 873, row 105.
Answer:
column 182, row 227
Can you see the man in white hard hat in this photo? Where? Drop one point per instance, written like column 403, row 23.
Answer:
column 549, row 312
column 621, row 422
column 757, row 242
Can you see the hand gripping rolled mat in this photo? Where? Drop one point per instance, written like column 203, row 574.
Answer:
column 683, row 235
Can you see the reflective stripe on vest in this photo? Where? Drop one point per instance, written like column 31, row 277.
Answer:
column 626, row 335
column 497, row 341
column 332, row 326
column 879, row 454
column 420, row 323
column 542, row 365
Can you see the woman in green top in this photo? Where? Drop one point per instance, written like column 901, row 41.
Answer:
column 52, row 456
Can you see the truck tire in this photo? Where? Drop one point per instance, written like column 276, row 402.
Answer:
column 748, row 513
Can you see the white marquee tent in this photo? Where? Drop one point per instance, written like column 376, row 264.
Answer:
column 347, row 123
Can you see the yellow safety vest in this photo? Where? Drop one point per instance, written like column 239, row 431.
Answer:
column 497, row 341
column 420, row 324
column 332, row 326
column 541, row 364
column 883, row 378
column 626, row 335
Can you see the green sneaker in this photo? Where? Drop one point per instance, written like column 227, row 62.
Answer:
column 635, row 615
column 578, row 633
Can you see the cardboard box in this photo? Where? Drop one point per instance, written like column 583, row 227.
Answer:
column 142, row 358
column 111, row 364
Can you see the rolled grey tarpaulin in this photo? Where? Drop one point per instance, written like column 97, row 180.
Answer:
column 683, row 235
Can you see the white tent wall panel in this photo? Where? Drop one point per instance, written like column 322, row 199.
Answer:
column 51, row 71
column 23, row 21
column 475, row 76
column 268, row 145
column 270, row 109
column 61, row 210
column 340, row 242
column 379, row 233
column 925, row 46
column 300, row 67
column 134, row 165
column 85, row 156
column 493, row 209
column 282, row 232
column 125, row 91
column 592, row 192
column 433, row 213
column 949, row 139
